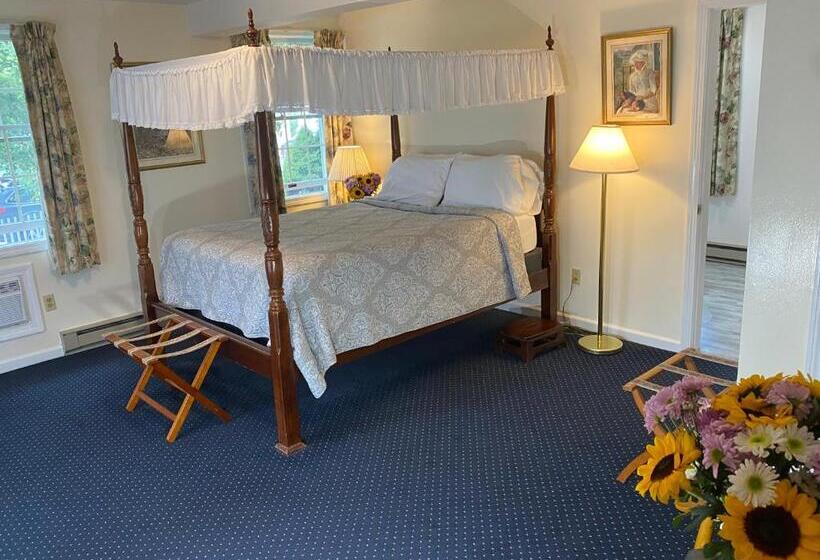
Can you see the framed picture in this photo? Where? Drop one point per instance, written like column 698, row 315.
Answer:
column 637, row 77
column 160, row 149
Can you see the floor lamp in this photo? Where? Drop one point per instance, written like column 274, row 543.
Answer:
column 605, row 150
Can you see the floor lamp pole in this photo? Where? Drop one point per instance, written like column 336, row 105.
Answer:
column 601, row 343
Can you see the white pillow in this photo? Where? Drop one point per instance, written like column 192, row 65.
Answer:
column 417, row 179
column 505, row 182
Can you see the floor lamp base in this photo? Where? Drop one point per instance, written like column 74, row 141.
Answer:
column 600, row 344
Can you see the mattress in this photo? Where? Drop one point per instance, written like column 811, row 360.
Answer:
column 529, row 232
column 353, row 274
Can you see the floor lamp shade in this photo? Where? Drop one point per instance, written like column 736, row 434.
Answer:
column 348, row 161
column 605, row 150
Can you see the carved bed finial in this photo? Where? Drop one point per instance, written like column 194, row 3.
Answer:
column 550, row 41
column 117, row 57
column 252, row 34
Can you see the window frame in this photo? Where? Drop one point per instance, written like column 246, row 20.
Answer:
column 31, row 246
column 302, row 38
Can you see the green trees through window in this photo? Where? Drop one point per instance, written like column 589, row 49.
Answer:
column 21, row 211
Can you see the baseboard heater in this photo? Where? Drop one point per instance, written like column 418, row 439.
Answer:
column 91, row 336
column 726, row 253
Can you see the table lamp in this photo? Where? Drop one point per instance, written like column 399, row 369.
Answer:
column 348, row 161
column 605, row 150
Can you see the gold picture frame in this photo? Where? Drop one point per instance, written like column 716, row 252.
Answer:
column 163, row 149
column 639, row 61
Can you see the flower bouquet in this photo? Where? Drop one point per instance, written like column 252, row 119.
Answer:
column 746, row 461
column 360, row 186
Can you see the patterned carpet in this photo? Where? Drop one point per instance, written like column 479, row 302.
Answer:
column 439, row 448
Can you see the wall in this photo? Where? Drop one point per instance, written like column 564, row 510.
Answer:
column 174, row 198
column 783, row 242
column 729, row 216
column 647, row 210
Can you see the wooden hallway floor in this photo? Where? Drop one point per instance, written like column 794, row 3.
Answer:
column 722, row 309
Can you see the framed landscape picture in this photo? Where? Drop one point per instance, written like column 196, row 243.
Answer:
column 637, row 77
column 159, row 149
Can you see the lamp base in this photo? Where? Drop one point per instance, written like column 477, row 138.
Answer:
column 600, row 344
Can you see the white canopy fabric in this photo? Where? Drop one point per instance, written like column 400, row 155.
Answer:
column 225, row 89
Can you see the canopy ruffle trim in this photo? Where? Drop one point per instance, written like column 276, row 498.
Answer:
column 225, row 89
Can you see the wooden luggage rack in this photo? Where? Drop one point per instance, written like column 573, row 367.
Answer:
column 685, row 358
column 149, row 354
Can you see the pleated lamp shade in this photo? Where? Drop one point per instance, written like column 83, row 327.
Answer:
column 605, row 150
column 348, row 161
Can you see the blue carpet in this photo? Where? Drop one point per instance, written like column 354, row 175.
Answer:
column 438, row 448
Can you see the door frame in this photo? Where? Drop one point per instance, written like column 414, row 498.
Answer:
column 700, row 155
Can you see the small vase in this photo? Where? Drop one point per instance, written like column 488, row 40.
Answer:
column 695, row 555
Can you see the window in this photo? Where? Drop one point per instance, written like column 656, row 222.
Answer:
column 301, row 140
column 22, row 219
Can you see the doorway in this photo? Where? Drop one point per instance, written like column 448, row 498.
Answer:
column 731, row 52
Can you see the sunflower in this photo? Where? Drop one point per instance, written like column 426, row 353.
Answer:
column 745, row 403
column 356, row 193
column 788, row 528
column 663, row 476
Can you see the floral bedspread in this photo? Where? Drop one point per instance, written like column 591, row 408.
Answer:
column 353, row 274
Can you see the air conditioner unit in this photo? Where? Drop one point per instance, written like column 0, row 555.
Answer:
column 20, row 313
column 12, row 303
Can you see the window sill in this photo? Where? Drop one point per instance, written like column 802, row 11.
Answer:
column 23, row 249
column 319, row 199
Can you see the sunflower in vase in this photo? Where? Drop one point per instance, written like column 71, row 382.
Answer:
column 746, row 462
column 361, row 186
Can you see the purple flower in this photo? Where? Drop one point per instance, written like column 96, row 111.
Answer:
column 659, row 407
column 788, row 393
column 719, row 448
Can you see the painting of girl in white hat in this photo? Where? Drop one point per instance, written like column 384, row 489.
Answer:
column 637, row 77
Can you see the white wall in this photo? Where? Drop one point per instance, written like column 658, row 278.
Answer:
column 783, row 243
column 647, row 211
column 174, row 198
column 729, row 216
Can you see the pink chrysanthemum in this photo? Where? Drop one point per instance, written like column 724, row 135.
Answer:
column 660, row 407
column 788, row 393
column 719, row 448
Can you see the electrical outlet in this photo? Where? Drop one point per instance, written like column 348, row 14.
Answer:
column 576, row 276
column 49, row 302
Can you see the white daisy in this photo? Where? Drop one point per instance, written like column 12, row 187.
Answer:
column 759, row 440
column 797, row 443
column 753, row 484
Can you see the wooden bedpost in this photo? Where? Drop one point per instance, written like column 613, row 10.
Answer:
column 282, row 370
column 148, row 285
column 549, row 296
column 395, row 134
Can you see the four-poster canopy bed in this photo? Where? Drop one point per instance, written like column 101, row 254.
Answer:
column 250, row 83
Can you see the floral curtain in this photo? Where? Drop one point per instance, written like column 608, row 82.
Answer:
column 727, row 112
column 248, row 136
column 72, row 237
column 338, row 128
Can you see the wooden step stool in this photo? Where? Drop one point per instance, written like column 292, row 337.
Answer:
column 150, row 356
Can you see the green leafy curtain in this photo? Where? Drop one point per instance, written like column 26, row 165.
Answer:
column 727, row 112
column 248, row 136
column 71, row 233
column 338, row 128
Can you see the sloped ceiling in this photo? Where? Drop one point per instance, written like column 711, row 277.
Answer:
column 222, row 17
